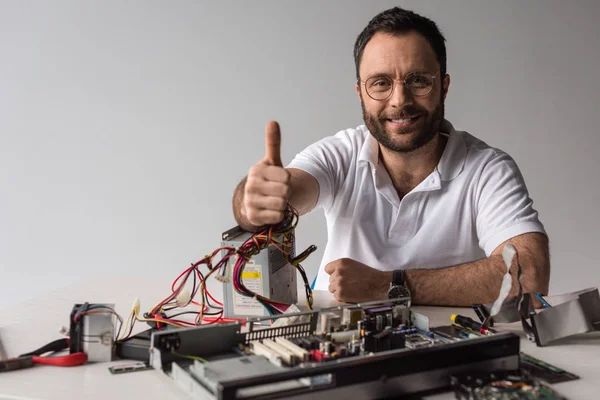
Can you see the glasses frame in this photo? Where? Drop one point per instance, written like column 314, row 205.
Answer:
column 403, row 81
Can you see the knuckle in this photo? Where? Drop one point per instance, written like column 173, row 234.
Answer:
column 253, row 172
column 251, row 183
column 250, row 200
column 257, row 170
column 280, row 204
column 252, row 215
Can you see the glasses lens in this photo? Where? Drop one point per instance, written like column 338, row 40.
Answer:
column 379, row 87
column 419, row 84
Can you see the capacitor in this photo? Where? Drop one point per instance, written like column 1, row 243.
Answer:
column 379, row 323
column 390, row 319
column 360, row 325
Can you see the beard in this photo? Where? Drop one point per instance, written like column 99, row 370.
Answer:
column 421, row 134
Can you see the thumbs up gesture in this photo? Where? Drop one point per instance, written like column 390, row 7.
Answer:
column 267, row 187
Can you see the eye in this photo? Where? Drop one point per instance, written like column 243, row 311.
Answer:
column 420, row 81
column 379, row 83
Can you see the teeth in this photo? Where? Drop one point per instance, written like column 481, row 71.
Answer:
column 402, row 121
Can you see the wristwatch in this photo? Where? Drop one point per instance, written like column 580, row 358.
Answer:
column 398, row 287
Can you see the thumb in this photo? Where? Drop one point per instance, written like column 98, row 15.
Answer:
column 273, row 144
column 330, row 268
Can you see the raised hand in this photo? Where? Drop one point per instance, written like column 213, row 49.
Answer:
column 267, row 188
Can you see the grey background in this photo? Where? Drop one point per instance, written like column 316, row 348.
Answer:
column 125, row 126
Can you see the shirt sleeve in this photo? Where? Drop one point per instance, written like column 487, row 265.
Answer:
column 504, row 208
column 327, row 161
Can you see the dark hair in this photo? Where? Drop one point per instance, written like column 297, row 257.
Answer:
column 397, row 21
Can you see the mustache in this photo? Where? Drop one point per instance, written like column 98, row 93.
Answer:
column 409, row 111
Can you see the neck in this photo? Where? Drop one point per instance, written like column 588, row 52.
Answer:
column 408, row 170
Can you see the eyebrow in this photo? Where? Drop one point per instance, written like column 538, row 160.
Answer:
column 416, row 71
column 378, row 75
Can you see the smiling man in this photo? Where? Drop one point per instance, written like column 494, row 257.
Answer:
column 413, row 206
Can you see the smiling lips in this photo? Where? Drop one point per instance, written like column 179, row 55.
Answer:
column 404, row 121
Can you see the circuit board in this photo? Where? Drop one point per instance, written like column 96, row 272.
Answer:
column 502, row 386
column 372, row 350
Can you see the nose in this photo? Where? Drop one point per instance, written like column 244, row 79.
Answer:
column 401, row 96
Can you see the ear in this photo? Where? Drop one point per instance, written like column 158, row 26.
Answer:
column 357, row 87
column 446, row 85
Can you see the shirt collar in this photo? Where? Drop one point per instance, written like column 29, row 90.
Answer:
column 453, row 159
column 451, row 164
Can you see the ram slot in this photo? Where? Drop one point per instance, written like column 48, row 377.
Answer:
column 261, row 350
column 286, row 355
column 301, row 353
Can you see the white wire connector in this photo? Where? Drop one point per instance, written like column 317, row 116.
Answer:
column 183, row 298
column 225, row 278
column 285, row 321
column 136, row 306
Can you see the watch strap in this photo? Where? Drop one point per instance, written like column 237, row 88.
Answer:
column 398, row 277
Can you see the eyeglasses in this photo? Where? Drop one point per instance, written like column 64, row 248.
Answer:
column 381, row 87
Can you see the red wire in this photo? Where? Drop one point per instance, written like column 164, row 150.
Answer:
column 199, row 276
column 180, row 275
column 207, row 292
column 216, row 320
column 68, row 360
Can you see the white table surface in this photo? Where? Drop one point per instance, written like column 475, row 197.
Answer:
column 29, row 325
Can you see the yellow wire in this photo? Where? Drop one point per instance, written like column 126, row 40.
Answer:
column 202, row 360
column 126, row 326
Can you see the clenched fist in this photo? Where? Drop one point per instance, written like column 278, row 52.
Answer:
column 353, row 282
column 267, row 187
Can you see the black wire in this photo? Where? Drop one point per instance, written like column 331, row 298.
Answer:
column 194, row 288
column 206, row 301
column 132, row 318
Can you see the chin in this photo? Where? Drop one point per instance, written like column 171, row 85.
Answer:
column 405, row 142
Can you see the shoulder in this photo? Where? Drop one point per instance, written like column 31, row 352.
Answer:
column 491, row 171
column 483, row 157
column 347, row 142
column 478, row 163
column 351, row 137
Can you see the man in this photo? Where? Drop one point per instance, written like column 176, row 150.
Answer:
column 410, row 202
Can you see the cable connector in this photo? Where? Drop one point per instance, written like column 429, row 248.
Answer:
column 183, row 298
column 136, row 306
column 286, row 321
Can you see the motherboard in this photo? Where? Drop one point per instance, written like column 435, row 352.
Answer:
column 369, row 350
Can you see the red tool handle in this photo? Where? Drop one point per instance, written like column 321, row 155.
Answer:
column 69, row 360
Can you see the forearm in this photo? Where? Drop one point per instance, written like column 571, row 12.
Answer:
column 466, row 284
column 480, row 281
column 460, row 285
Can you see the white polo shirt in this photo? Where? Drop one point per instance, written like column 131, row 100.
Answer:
column 474, row 201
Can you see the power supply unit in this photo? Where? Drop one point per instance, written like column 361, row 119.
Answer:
column 268, row 274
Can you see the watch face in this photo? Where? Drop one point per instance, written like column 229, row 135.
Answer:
column 398, row 291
